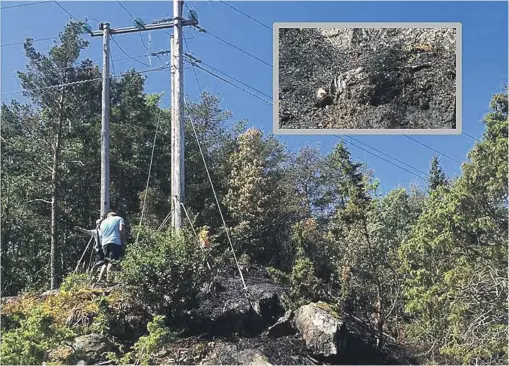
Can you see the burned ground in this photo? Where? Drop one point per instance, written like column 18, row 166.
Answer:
column 408, row 78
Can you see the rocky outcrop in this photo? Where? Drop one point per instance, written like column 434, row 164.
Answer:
column 92, row 348
column 259, row 351
column 225, row 309
column 323, row 330
column 377, row 78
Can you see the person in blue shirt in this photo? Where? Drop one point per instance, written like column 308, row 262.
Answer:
column 113, row 236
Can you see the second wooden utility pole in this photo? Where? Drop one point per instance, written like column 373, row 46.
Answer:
column 177, row 129
column 105, row 127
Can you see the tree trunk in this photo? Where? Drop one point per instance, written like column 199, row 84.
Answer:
column 54, row 202
column 380, row 321
column 54, row 196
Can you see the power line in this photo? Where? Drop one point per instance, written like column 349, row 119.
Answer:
column 64, row 9
column 127, row 10
column 246, row 15
column 125, row 53
column 87, row 80
column 192, row 66
column 141, row 37
column 388, row 161
column 229, row 82
column 47, row 38
column 433, row 149
column 387, row 155
column 236, row 47
column 68, row 67
column 26, row 4
column 33, row 40
column 472, row 137
column 237, row 80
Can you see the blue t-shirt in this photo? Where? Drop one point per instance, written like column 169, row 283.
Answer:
column 110, row 229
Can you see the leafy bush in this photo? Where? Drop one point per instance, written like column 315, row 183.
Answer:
column 165, row 273
column 29, row 343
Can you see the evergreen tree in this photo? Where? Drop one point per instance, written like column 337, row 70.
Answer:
column 255, row 197
column 52, row 82
column 436, row 175
column 456, row 256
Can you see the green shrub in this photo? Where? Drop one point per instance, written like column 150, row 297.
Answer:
column 30, row 343
column 278, row 276
column 75, row 281
column 305, row 287
column 163, row 272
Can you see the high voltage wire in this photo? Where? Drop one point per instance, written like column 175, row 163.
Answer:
column 26, row 4
column 256, row 20
column 237, row 48
column 64, row 9
column 127, row 10
column 141, row 37
column 229, row 82
column 433, row 149
column 192, row 66
column 237, row 80
column 387, row 155
column 87, row 80
column 472, row 137
column 388, row 161
column 69, row 67
column 246, row 15
column 34, row 40
column 125, row 53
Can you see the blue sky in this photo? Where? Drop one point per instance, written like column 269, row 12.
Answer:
column 485, row 64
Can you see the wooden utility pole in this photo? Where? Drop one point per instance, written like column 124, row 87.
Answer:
column 105, row 127
column 177, row 104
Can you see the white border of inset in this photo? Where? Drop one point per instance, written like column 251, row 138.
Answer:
column 325, row 131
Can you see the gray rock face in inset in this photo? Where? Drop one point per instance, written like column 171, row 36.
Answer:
column 323, row 332
column 408, row 78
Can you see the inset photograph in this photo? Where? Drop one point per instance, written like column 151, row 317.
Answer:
column 403, row 77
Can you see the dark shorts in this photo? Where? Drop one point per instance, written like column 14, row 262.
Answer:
column 112, row 252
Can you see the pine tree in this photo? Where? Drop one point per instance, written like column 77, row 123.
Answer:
column 436, row 175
